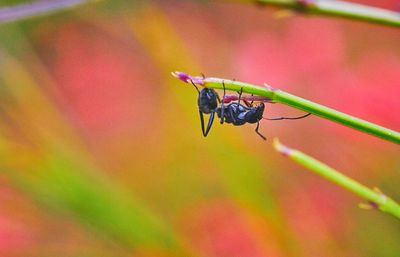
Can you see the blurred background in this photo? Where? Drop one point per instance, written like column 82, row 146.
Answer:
column 102, row 152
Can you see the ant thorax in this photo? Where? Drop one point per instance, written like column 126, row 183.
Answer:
column 234, row 113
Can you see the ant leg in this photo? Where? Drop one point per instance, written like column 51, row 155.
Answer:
column 191, row 81
column 202, row 75
column 218, row 99
column 289, row 118
column 240, row 96
column 232, row 114
column 210, row 122
column 233, row 119
column 247, row 103
column 202, row 123
column 262, row 136
column 222, row 104
column 252, row 101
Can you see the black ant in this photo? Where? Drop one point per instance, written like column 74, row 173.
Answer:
column 233, row 112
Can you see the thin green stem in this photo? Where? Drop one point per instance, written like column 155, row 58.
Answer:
column 39, row 8
column 283, row 97
column 375, row 198
column 337, row 9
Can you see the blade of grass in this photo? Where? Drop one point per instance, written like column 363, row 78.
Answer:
column 283, row 97
column 375, row 198
column 334, row 8
column 70, row 186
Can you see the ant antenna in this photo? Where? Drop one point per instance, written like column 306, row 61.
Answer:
column 288, row 118
column 191, row 81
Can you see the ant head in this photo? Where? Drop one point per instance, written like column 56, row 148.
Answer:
column 207, row 100
column 260, row 108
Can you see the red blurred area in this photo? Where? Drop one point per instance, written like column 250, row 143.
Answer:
column 219, row 229
column 303, row 49
column 101, row 81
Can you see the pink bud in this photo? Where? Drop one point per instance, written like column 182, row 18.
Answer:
column 182, row 76
column 187, row 78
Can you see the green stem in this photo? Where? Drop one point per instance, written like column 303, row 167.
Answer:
column 39, row 8
column 337, row 9
column 375, row 198
column 280, row 96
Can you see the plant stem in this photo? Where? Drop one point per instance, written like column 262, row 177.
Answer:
column 280, row 96
column 375, row 198
column 38, row 8
column 337, row 9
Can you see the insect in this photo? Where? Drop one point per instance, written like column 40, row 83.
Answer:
column 233, row 112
